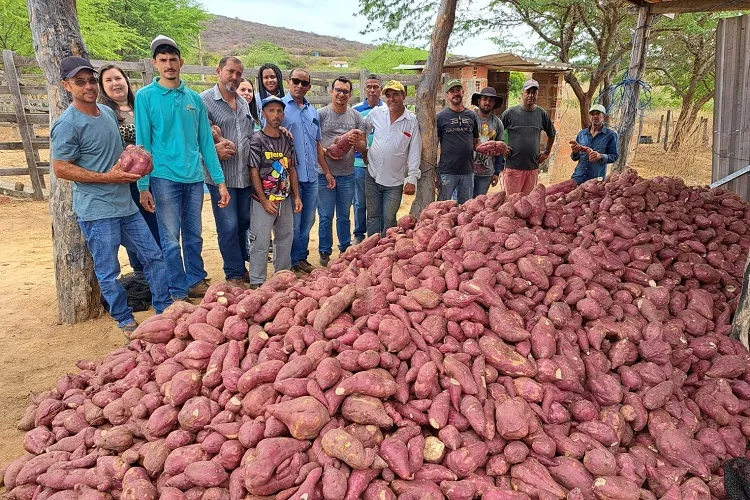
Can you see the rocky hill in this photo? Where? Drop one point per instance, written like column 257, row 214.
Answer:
column 225, row 35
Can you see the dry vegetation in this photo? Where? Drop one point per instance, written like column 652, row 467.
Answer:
column 224, row 35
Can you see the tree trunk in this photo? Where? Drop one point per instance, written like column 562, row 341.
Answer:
column 688, row 115
column 584, row 100
column 427, row 91
column 636, row 68
column 56, row 34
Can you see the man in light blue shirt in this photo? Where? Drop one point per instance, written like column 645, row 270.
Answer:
column 373, row 86
column 172, row 124
column 302, row 120
column 85, row 148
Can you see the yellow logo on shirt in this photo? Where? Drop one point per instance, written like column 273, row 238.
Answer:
column 190, row 107
column 273, row 154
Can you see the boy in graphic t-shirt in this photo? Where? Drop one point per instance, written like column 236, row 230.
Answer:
column 274, row 178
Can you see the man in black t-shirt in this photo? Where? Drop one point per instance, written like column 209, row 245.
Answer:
column 458, row 134
column 274, row 178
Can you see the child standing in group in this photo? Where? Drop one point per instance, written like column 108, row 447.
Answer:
column 274, row 177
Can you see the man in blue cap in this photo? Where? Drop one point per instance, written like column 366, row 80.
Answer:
column 594, row 147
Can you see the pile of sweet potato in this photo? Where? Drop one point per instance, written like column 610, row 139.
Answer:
column 568, row 344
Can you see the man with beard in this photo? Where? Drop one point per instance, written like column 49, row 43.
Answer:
column 86, row 147
column 525, row 124
column 337, row 119
column 594, row 147
column 458, row 134
column 171, row 123
column 232, row 115
column 487, row 167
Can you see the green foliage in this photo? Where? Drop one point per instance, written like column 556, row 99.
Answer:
column 515, row 87
column 260, row 53
column 14, row 27
column 113, row 29
column 387, row 56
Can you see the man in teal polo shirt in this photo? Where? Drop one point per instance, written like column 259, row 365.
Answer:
column 172, row 124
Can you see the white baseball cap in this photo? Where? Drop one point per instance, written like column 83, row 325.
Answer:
column 162, row 40
column 598, row 107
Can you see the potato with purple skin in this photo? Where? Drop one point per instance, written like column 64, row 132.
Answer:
column 393, row 334
column 615, row 488
column 460, row 372
column 507, row 325
column 466, row 460
column 396, row 455
column 339, row 444
column 195, row 414
column 536, row 476
column 206, row 474
column 365, row 410
column 304, row 416
column 375, row 382
column 504, row 358
column 680, row 450
column 600, row 462
column 512, row 418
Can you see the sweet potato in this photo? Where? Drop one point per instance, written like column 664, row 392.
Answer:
column 340, row 444
column 304, row 416
column 615, row 488
column 206, row 474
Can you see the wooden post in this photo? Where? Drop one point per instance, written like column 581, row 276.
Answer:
column 666, row 128
column 636, row 69
column 11, row 75
column 148, row 72
column 661, row 123
column 704, row 132
column 427, row 91
column 55, row 34
column 640, row 129
column 363, row 82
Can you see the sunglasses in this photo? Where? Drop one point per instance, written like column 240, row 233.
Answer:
column 79, row 82
column 303, row 83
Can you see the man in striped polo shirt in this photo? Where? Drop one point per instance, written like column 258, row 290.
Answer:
column 232, row 115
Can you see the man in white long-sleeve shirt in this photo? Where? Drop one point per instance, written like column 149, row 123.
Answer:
column 392, row 160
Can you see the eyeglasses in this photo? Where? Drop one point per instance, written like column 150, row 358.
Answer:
column 79, row 82
column 343, row 91
column 303, row 83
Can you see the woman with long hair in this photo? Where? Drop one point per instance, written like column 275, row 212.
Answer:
column 270, row 82
column 115, row 92
column 247, row 91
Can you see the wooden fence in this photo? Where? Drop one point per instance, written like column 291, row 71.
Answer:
column 24, row 105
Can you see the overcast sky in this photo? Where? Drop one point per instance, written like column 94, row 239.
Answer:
column 317, row 17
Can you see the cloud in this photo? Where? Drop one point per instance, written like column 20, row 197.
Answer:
column 308, row 15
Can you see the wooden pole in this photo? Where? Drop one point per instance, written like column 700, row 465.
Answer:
column 661, row 123
column 363, row 82
column 427, row 92
column 636, row 69
column 640, row 129
column 56, row 34
column 666, row 128
column 11, row 75
column 704, row 132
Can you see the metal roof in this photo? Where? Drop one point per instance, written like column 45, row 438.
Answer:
column 504, row 61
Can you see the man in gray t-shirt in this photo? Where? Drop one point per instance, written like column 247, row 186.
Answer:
column 525, row 124
column 337, row 119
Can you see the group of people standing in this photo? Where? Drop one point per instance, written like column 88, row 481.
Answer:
column 270, row 161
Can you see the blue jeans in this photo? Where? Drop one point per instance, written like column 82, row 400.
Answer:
column 481, row 184
column 103, row 238
column 178, row 211
column 232, row 223
column 303, row 221
column 382, row 204
column 153, row 226
column 463, row 184
column 340, row 198
column 360, row 203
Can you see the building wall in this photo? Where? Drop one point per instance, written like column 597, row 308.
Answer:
column 550, row 98
column 500, row 81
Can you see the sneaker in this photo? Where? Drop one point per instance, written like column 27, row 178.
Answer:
column 198, row 290
column 358, row 239
column 253, row 286
column 324, row 259
column 129, row 328
column 237, row 283
column 246, row 277
column 305, row 266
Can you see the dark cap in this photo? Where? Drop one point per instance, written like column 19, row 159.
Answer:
column 71, row 65
column 487, row 92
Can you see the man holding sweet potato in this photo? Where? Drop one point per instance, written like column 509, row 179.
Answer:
column 85, row 148
column 594, row 147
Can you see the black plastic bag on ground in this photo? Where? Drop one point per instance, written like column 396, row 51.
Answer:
column 139, row 294
column 737, row 479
